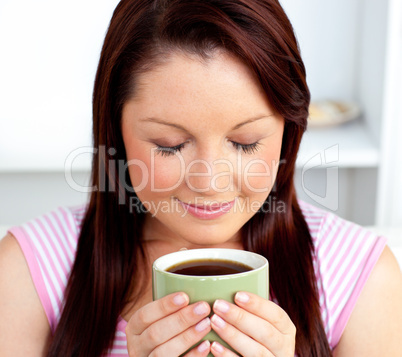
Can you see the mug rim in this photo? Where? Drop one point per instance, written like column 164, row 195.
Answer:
column 261, row 261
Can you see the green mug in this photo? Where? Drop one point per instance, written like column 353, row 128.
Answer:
column 210, row 287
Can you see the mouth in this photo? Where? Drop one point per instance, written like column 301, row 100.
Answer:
column 210, row 211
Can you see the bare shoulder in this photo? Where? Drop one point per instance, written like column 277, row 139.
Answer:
column 375, row 326
column 24, row 329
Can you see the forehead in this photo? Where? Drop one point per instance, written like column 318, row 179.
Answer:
column 188, row 87
column 182, row 73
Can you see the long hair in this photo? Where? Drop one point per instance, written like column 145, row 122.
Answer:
column 109, row 253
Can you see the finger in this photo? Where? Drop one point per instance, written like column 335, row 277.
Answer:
column 184, row 341
column 243, row 344
column 267, row 310
column 174, row 324
column 218, row 350
column 202, row 349
column 155, row 311
column 251, row 325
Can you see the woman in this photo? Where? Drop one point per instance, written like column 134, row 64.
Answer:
column 199, row 108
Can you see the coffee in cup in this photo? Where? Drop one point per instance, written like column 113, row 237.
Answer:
column 207, row 267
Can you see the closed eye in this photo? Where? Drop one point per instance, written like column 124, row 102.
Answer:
column 172, row 150
column 247, row 148
column 169, row 150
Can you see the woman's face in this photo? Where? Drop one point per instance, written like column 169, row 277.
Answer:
column 203, row 147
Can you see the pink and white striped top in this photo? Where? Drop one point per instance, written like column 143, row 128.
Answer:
column 345, row 254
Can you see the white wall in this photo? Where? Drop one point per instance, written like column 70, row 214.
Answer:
column 328, row 33
column 49, row 55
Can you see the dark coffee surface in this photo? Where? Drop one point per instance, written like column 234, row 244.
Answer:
column 208, row 267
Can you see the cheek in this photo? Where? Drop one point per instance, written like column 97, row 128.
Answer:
column 166, row 173
column 150, row 173
column 259, row 174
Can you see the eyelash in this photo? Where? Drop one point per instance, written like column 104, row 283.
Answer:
column 171, row 150
column 247, row 148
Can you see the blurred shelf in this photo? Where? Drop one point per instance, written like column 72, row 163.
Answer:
column 345, row 146
column 57, row 160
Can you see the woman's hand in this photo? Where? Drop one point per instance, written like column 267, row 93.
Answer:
column 169, row 327
column 253, row 327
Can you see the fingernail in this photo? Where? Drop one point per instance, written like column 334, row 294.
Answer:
column 203, row 346
column 201, row 308
column 179, row 299
column 242, row 297
column 217, row 347
column 203, row 324
column 221, row 306
column 216, row 320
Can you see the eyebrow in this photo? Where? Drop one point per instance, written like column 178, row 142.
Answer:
column 178, row 126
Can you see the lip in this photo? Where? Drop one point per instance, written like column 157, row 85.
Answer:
column 208, row 211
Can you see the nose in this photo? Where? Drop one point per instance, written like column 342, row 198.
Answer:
column 210, row 177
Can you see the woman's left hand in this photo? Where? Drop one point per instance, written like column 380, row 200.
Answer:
column 253, row 327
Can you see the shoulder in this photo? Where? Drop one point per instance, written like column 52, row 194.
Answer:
column 20, row 308
column 375, row 325
column 319, row 221
column 52, row 234
column 35, row 263
column 333, row 235
column 344, row 257
column 48, row 244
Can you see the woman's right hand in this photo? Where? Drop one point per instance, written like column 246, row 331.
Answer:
column 169, row 327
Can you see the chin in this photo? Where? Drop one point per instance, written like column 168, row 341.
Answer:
column 208, row 240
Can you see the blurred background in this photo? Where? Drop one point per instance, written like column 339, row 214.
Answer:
column 349, row 163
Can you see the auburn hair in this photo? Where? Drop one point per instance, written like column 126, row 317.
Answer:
column 107, row 267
